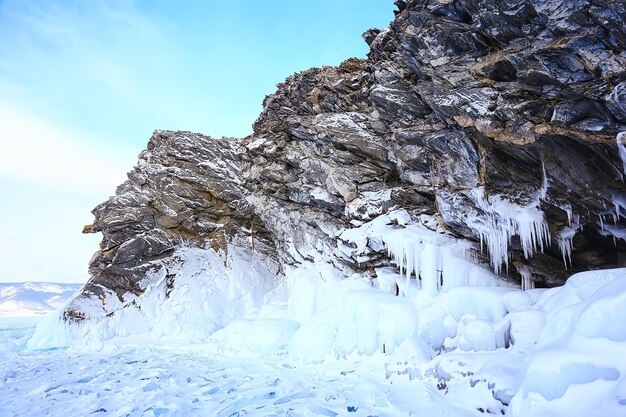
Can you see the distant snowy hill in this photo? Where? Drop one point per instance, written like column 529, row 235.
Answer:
column 20, row 299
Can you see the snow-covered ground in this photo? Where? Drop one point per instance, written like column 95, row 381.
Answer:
column 183, row 381
column 438, row 335
column 500, row 351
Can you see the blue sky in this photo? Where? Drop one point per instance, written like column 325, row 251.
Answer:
column 83, row 84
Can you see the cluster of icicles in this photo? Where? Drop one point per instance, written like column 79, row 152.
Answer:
column 440, row 261
column 503, row 219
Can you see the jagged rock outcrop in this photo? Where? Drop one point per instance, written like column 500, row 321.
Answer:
column 497, row 118
column 186, row 190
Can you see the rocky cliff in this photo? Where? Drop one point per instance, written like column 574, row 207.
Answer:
column 495, row 124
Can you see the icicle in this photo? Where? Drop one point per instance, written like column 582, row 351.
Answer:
column 601, row 222
column 543, row 192
column 527, row 278
column 567, row 208
column 430, row 269
column 504, row 219
column 619, row 204
column 408, row 259
column 621, row 149
column 417, row 263
column 409, row 269
column 565, row 245
column 565, row 239
column 437, row 259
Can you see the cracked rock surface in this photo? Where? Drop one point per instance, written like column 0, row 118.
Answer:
column 523, row 100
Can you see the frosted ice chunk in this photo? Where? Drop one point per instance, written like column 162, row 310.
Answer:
column 387, row 280
column 482, row 335
column 346, row 316
column 551, row 385
column 525, row 328
column 415, row 350
column 514, row 300
column 409, row 356
column 579, row 353
column 604, row 318
column 484, row 303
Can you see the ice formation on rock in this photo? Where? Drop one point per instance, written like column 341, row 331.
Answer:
column 537, row 350
column 188, row 299
column 504, row 220
column 422, row 250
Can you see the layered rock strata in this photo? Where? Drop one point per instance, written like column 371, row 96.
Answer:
column 500, row 120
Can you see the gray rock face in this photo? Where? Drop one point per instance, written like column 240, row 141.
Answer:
column 461, row 109
column 185, row 190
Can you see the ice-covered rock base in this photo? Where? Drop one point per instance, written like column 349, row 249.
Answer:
column 187, row 298
column 494, row 347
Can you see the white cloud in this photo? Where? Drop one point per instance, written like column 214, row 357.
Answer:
column 50, row 180
column 70, row 64
column 50, row 246
column 36, row 151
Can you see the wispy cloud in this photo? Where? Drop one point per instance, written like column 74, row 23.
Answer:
column 108, row 57
column 70, row 90
column 38, row 152
column 50, row 179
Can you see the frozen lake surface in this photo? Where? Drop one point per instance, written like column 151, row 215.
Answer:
column 470, row 351
column 187, row 381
